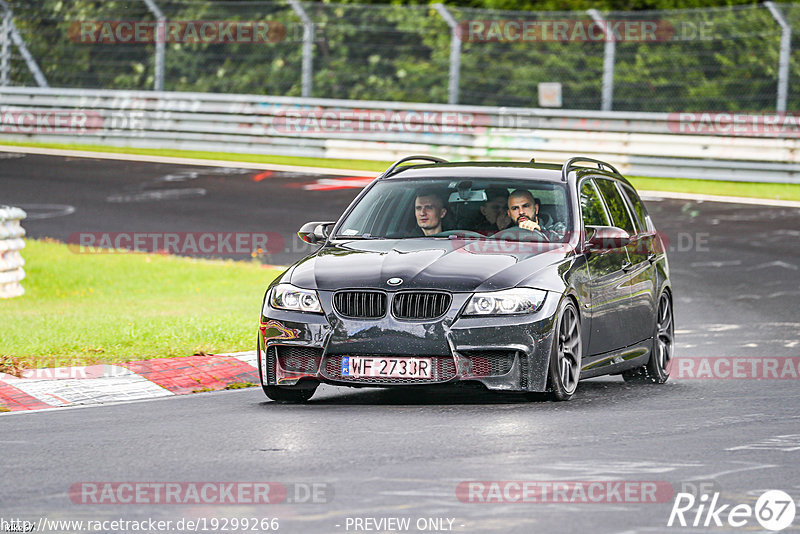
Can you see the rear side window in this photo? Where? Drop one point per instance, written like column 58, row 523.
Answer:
column 592, row 207
column 638, row 207
column 616, row 206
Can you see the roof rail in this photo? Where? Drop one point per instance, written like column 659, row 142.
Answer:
column 570, row 165
column 394, row 165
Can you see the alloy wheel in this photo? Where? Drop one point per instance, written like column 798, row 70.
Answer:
column 665, row 334
column 569, row 350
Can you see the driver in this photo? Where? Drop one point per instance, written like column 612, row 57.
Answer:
column 429, row 210
column 523, row 210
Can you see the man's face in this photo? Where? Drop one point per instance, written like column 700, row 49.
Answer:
column 429, row 212
column 493, row 208
column 521, row 207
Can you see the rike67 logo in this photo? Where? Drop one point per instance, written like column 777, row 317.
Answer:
column 774, row 510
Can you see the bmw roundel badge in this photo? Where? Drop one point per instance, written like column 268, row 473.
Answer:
column 394, row 281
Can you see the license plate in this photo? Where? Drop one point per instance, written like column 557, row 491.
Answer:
column 370, row 367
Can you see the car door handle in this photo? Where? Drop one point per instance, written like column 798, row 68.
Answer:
column 627, row 266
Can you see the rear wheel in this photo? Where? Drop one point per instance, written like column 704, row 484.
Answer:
column 565, row 358
column 658, row 367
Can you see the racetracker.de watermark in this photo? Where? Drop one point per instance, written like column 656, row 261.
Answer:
column 77, row 372
column 207, row 492
column 300, row 121
column 563, row 491
column 176, row 31
column 515, row 240
column 742, row 124
column 179, row 243
column 28, row 121
column 737, row 368
column 551, row 30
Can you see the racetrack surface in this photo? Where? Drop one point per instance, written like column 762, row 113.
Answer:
column 390, row 453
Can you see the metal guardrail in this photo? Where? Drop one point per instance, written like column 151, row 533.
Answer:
column 709, row 146
column 11, row 242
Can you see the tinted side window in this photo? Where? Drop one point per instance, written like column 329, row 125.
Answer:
column 592, row 207
column 638, row 207
column 616, row 206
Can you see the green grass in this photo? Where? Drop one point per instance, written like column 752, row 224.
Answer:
column 710, row 187
column 716, row 187
column 80, row 309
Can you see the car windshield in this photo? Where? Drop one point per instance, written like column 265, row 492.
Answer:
column 474, row 208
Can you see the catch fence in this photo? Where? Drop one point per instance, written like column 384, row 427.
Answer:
column 740, row 58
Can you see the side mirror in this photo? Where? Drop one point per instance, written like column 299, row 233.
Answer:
column 314, row 232
column 606, row 237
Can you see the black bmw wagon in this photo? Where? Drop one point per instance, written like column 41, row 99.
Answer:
column 523, row 277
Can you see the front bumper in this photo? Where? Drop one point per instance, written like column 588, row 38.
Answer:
column 508, row 353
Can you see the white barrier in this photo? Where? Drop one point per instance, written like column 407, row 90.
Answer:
column 11, row 242
column 687, row 145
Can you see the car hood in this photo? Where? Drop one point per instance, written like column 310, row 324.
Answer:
column 453, row 264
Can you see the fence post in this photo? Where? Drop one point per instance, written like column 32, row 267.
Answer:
column 455, row 53
column 5, row 51
column 609, row 52
column 41, row 81
column 11, row 242
column 161, row 37
column 308, row 47
column 783, row 60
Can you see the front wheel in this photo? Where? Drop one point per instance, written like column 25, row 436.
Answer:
column 565, row 358
column 287, row 394
column 658, row 367
column 284, row 393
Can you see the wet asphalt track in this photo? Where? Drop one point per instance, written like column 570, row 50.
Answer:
column 403, row 453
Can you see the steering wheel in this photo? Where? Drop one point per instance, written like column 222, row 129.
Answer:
column 465, row 233
column 521, row 234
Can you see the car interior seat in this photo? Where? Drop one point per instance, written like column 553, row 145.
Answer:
column 548, row 214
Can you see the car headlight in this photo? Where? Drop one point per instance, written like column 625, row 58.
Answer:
column 506, row 302
column 289, row 297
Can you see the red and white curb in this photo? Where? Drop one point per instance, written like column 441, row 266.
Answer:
column 146, row 379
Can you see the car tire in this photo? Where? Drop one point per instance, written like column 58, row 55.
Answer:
column 658, row 367
column 283, row 393
column 286, row 394
column 565, row 357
